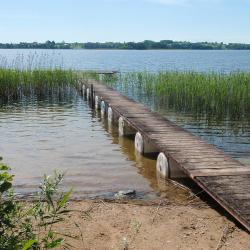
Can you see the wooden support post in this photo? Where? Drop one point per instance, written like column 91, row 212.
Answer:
column 175, row 170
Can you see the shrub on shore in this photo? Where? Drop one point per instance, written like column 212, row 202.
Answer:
column 31, row 228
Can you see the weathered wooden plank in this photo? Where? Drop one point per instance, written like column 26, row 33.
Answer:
column 217, row 172
column 225, row 187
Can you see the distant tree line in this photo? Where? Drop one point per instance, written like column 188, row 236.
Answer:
column 35, row 45
column 145, row 45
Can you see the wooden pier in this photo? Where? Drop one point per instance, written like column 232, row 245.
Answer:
column 101, row 72
column 225, row 179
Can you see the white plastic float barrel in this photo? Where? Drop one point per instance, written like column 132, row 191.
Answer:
column 97, row 102
column 139, row 143
column 88, row 93
column 103, row 108
column 83, row 89
column 162, row 166
column 142, row 145
column 110, row 115
column 168, row 168
column 123, row 127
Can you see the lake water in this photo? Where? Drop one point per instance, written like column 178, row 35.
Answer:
column 38, row 136
column 130, row 60
column 41, row 136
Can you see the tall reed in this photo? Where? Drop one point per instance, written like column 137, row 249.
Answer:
column 17, row 83
column 208, row 94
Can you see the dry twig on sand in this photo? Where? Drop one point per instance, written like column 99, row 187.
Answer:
column 228, row 229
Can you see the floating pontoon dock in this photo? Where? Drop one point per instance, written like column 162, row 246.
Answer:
column 180, row 153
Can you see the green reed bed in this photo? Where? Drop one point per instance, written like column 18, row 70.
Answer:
column 16, row 83
column 212, row 94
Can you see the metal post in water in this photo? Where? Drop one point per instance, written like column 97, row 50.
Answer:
column 92, row 95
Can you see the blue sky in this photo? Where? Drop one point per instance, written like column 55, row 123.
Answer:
column 124, row 20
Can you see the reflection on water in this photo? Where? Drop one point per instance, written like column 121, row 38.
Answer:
column 40, row 136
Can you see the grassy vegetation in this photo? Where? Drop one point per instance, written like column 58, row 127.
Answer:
column 212, row 94
column 32, row 227
column 16, row 83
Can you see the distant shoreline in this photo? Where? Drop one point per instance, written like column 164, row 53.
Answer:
column 129, row 49
column 145, row 45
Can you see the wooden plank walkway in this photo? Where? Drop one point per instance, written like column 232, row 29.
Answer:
column 222, row 177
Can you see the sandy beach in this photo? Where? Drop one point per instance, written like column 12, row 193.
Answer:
column 158, row 224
